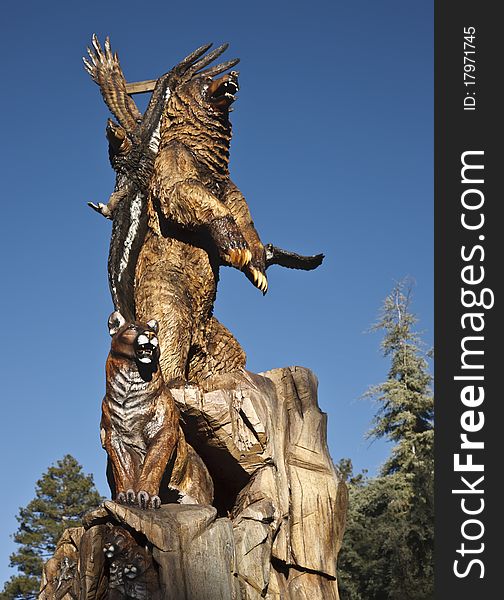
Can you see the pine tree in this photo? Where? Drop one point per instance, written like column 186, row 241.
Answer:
column 374, row 553
column 406, row 417
column 62, row 496
column 406, row 411
column 387, row 552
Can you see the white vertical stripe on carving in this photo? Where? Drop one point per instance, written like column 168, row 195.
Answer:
column 135, row 213
column 156, row 136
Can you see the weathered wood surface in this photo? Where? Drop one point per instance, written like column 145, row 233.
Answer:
column 263, row 438
column 185, row 551
column 59, row 578
column 278, row 521
column 140, row 87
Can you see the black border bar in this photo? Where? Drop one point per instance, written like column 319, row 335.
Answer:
column 468, row 271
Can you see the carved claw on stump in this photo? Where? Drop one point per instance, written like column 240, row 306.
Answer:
column 142, row 499
column 121, row 498
column 145, row 500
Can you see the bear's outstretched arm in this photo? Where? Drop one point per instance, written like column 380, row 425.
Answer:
column 255, row 271
column 178, row 193
column 191, row 205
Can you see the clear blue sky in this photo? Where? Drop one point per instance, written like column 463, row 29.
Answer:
column 332, row 147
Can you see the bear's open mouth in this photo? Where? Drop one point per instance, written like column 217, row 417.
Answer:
column 222, row 91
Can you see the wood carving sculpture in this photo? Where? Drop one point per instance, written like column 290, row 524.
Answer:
column 133, row 144
column 198, row 219
column 150, row 461
column 277, row 520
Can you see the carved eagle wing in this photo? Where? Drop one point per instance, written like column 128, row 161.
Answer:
column 105, row 70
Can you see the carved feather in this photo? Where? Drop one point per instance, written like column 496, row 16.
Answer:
column 105, row 70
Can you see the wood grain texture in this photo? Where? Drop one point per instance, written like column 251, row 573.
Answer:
column 197, row 221
column 278, row 519
column 140, row 87
column 263, row 438
column 59, row 577
column 178, row 552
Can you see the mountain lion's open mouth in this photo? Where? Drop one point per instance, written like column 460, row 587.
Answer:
column 146, row 348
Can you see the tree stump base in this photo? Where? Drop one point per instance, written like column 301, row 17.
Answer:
column 277, row 525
